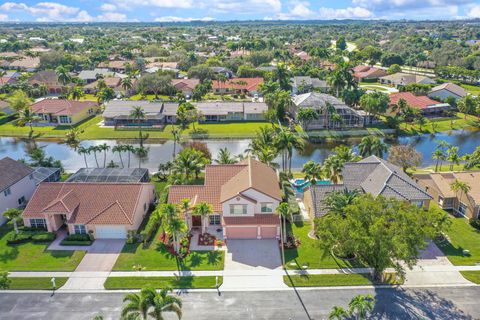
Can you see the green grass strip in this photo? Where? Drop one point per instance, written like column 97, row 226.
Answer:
column 35, row 283
column 333, row 280
column 190, row 282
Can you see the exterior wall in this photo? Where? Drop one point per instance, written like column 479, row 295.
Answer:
column 252, row 208
column 308, row 202
column 261, row 198
column 238, row 200
column 443, row 94
column 23, row 188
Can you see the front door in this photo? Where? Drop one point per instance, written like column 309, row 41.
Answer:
column 196, row 221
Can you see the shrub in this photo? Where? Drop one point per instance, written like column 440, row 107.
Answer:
column 151, row 227
column 475, row 223
column 21, row 237
column 75, row 243
column 131, row 237
column 44, row 237
column 77, row 237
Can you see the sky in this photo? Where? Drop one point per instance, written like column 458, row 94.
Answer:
column 221, row 10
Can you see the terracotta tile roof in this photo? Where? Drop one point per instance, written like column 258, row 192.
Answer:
column 26, row 63
column 87, row 203
column 419, row 102
column 249, row 84
column 181, row 84
column 443, row 180
column 361, row 72
column 196, row 194
column 116, row 64
column 6, row 80
column 255, row 220
column 11, row 172
column 61, row 106
column 111, row 82
column 47, row 77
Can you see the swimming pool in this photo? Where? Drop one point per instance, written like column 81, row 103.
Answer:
column 301, row 184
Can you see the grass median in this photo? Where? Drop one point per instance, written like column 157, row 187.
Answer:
column 35, row 283
column 333, row 280
column 189, row 282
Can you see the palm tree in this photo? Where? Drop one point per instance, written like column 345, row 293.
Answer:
column 372, row 145
column 288, row 141
column 13, row 214
column 119, row 149
column 129, row 149
column 337, row 313
column 72, row 138
column 104, row 147
column 189, row 162
column 333, row 166
column 203, row 209
column 460, row 186
column 94, row 149
column 138, row 114
column 176, row 227
column 176, row 133
column 453, row 156
column 312, row 171
column 141, row 154
column 361, row 305
column 185, row 207
column 438, row 155
column 127, row 84
column 63, row 75
column 26, row 116
column 336, row 201
column 225, row 157
column 138, row 304
column 84, row 151
column 76, row 93
column 165, row 302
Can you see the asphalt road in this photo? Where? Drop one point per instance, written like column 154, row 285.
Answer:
column 426, row 303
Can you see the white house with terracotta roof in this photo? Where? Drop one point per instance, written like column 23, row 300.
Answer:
column 62, row 111
column 244, row 197
column 108, row 210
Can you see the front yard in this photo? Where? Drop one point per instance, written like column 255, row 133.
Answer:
column 332, row 280
column 34, row 256
column 193, row 282
column 309, row 253
column 462, row 236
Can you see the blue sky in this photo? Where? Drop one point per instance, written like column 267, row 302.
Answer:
column 186, row 10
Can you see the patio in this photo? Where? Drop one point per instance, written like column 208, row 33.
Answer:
column 212, row 230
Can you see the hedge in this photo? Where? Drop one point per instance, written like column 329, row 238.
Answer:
column 75, row 243
column 44, row 237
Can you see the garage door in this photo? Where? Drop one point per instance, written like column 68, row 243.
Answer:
column 110, row 232
column 269, row 232
column 241, row 232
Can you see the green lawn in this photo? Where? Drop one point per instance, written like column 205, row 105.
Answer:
column 310, row 254
column 34, row 283
column 331, row 280
column 155, row 257
column 34, row 257
column 442, row 125
column 462, row 236
column 207, row 282
column 473, row 276
column 475, row 90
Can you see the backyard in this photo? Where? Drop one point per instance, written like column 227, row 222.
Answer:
column 309, row 254
column 34, row 256
column 459, row 122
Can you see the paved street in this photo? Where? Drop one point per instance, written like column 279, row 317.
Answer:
column 426, row 303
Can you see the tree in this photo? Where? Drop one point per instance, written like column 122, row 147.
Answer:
column 94, row 149
column 129, row 149
column 372, row 54
column 341, row 44
column 127, row 84
column 404, row 156
column 225, row 157
column 187, row 163
column 84, row 151
column 438, row 155
column 26, row 116
column 467, row 105
column 337, row 313
column 336, row 201
column 394, row 68
column 4, row 281
column 312, row 171
column 13, row 214
column 76, row 93
column 138, row 304
column 163, row 301
column 306, row 116
column 204, row 210
column 361, row 306
column 375, row 103
column 453, row 156
column 185, row 207
column 176, row 134
column 119, row 149
column 104, row 147
column 460, row 186
column 138, row 114
column 381, row 232
column 473, row 159
column 63, row 75
column 176, row 228
column 141, row 153
column 372, row 145
column 285, row 214
column 187, row 113
column 19, row 100
column 288, row 141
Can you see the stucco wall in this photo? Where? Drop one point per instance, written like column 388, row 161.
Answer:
column 24, row 187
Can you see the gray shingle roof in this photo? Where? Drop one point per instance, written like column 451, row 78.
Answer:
column 11, row 172
column 319, row 192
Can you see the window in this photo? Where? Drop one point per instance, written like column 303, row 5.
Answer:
column 38, row 223
column 65, row 119
column 267, row 207
column 80, row 229
column 462, row 208
column 7, row 192
column 214, row 219
column 238, row 209
column 21, row 200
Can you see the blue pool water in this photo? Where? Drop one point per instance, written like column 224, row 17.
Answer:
column 301, row 184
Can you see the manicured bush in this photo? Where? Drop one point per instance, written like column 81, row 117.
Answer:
column 21, row 237
column 151, row 227
column 77, row 237
column 75, row 242
column 44, row 237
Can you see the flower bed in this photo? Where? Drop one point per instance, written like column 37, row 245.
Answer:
column 206, row 239
column 291, row 242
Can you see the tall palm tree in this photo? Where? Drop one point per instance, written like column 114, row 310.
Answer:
column 138, row 304
column 84, row 151
column 185, row 207
column 129, row 149
column 285, row 214
column 176, row 228
column 460, row 186
column 189, row 162
column 94, row 149
column 26, row 116
column 127, row 84
column 13, row 214
column 439, row 156
column 338, row 313
column 104, row 147
column 63, row 75
column 372, row 145
column 333, row 167
column 165, row 302
column 176, row 133
column 361, row 305
column 138, row 114
column 453, row 156
column 204, row 210
column 141, row 154
column 288, row 141
column 119, row 149
column 225, row 157
column 312, row 171
column 76, row 93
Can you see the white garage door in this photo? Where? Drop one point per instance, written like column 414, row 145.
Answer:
column 110, row 232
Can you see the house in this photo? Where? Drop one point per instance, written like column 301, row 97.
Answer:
column 446, row 90
column 115, row 83
column 322, row 103
column 220, row 111
column 237, row 86
column 244, row 197
column 117, row 113
column 221, row 70
column 28, row 64
column 9, row 78
column 116, row 65
column 427, row 106
column 162, row 65
column 401, row 79
column 63, row 112
column 17, row 185
column 439, row 186
column 370, row 175
column 117, row 175
column 108, row 210
column 90, row 76
column 304, row 84
column 303, row 55
column 186, row 86
column 47, row 78
column 362, row 73
column 5, row 108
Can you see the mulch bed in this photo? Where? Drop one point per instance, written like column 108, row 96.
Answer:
column 206, row 239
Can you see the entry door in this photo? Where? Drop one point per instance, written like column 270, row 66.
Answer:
column 196, row 221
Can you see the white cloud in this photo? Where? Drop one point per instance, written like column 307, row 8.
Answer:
column 346, row 13
column 108, row 7
column 474, row 12
column 181, row 19
column 48, row 11
column 243, row 6
column 3, row 17
column 132, row 4
column 112, row 16
column 301, row 10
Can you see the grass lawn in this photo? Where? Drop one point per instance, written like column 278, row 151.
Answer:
column 207, row 282
column 331, row 280
column 473, row 276
column 442, row 125
column 139, row 96
column 34, row 283
column 34, row 257
column 310, row 254
column 475, row 90
column 462, row 236
column 445, row 167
